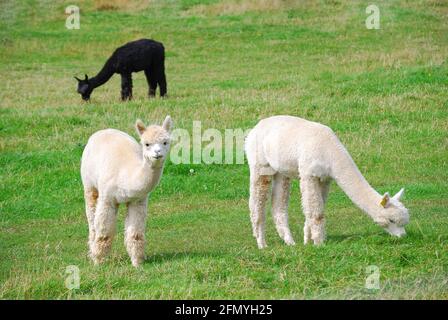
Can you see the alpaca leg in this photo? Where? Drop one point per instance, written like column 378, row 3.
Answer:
column 325, row 188
column 104, row 223
column 91, row 197
column 135, row 231
column 280, row 199
column 126, row 86
column 152, row 83
column 252, row 208
column 313, row 208
column 161, row 79
column 259, row 188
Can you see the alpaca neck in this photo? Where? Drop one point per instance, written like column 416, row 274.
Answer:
column 353, row 183
column 148, row 175
column 103, row 76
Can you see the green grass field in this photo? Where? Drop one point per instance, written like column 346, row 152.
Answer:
column 229, row 64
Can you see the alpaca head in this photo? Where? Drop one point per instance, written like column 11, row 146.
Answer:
column 155, row 140
column 84, row 88
column 393, row 215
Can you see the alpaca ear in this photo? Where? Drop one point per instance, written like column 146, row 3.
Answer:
column 167, row 124
column 87, row 78
column 385, row 200
column 140, row 126
column 79, row 80
column 399, row 194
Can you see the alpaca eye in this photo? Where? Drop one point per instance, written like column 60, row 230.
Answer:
column 147, row 144
column 165, row 143
column 391, row 221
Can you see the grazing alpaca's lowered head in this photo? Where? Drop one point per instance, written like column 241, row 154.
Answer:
column 84, row 88
column 393, row 215
column 116, row 169
column 282, row 148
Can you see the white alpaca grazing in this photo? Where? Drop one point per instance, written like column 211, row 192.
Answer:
column 117, row 169
column 283, row 147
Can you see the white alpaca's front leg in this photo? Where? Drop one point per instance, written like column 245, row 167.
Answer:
column 307, row 231
column 280, row 200
column 135, row 231
column 259, row 189
column 104, row 224
column 313, row 208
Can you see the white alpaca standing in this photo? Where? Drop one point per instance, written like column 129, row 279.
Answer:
column 117, row 169
column 283, row 147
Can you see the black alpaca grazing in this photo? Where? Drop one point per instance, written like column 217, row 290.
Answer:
column 144, row 54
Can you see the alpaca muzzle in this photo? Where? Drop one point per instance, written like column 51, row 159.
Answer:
column 396, row 231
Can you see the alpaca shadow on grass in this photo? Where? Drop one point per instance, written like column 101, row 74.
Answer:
column 159, row 258
column 338, row 238
column 375, row 236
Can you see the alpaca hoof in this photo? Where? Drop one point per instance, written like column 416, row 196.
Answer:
column 137, row 263
column 290, row 242
column 261, row 244
column 97, row 261
column 306, row 239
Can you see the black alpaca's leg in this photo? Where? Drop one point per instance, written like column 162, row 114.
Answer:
column 161, row 79
column 152, row 83
column 126, row 86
